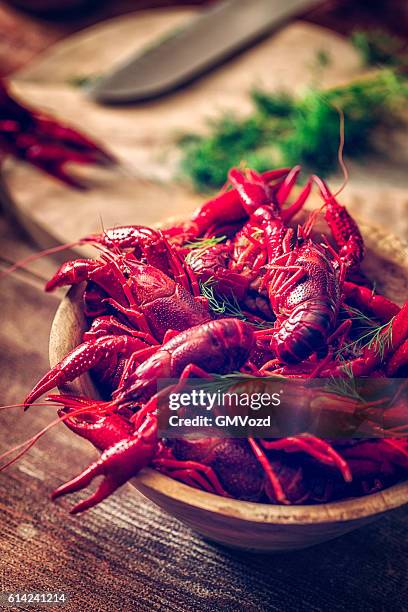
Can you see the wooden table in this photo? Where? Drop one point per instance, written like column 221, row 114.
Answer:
column 128, row 555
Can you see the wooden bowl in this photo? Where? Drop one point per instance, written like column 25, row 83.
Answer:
column 247, row 525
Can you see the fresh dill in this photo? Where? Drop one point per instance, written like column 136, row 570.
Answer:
column 221, row 305
column 199, row 247
column 356, row 315
column 377, row 337
column 347, row 386
column 204, row 243
column 257, row 233
column 286, row 130
column 83, row 80
column 381, row 338
column 227, row 306
column 323, row 58
column 223, row 382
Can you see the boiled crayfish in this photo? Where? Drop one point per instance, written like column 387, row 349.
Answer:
column 45, row 143
column 238, row 288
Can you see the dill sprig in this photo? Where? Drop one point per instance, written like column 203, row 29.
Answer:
column 257, row 233
column 221, row 305
column 286, row 130
column 207, row 159
column 227, row 306
column 204, row 243
column 198, row 247
column 223, row 382
column 345, row 387
column 362, row 320
column 378, row 337
column 83, row 80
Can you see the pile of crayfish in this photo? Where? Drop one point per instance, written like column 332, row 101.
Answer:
column 239, row 287
column 45, row 143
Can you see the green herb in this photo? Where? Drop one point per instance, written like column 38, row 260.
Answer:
column 223, row 382
column 284, row 130
column 198, row 247
column 378, row 337
column 204, row 243
column 345, row 387
column 381, row 338
column 279, row 104
column 323, row 58
column 207, row 159
column 257, row 233
column 221, row 306
column 357, row 315
column 378, row 47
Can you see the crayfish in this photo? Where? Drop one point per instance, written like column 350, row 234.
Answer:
column 238, row 288
column 45, row 143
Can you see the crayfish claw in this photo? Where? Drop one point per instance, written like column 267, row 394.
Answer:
column 117, row 465
column 79, row 482
column 106, row 488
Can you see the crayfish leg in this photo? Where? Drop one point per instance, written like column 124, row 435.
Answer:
column 269, row 471
column 192, row 472
column 81, row 359
column 399, row 360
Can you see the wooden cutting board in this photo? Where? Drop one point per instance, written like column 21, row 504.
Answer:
column 143, row 136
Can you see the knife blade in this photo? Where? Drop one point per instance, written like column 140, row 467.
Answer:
column 206, row 41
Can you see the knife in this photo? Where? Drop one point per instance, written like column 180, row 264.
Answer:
column 209, row 39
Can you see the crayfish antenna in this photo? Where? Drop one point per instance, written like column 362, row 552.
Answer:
column 288, row 184
column 21, row 263
column 24, row 447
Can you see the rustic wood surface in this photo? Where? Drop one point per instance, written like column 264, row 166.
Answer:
column 127, row 554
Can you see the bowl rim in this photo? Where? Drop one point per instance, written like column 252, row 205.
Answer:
column 349, row 509
column 337, row 511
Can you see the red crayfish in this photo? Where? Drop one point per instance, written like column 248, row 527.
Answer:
column 45, row 143
column 238, row 288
